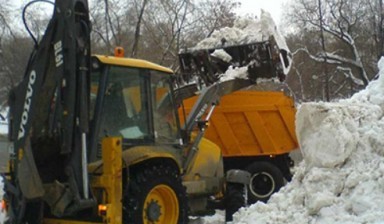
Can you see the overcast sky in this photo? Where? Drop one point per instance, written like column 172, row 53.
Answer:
column 247, row 7
column 253, row 7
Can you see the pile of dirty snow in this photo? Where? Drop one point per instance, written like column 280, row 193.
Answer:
column 341, row 179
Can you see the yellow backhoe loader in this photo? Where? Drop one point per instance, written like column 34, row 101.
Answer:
column 97, row 139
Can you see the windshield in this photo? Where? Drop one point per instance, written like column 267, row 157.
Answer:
column 165, row 121
column 125, row 107
column 137, row 105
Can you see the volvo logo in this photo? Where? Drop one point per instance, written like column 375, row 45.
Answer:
column 27, row 104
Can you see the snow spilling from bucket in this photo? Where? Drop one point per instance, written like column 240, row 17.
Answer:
column 220, row 53
column 232, row 73
column 245, row 31
column 341, row 179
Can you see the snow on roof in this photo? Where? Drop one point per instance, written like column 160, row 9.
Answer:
column 341, row 179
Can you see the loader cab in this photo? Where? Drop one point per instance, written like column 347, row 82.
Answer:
column 133, row 99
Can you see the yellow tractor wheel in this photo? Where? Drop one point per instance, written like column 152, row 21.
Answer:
column 155, row 196
column 161, row 204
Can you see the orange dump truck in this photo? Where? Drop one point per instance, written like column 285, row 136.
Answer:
column 256, row 132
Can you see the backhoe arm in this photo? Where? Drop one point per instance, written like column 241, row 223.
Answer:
column 49, row 116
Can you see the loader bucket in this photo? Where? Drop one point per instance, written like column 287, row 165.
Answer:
column 263, row 60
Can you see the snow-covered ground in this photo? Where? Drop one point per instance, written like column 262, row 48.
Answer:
column 341, row 179
column 2, row 214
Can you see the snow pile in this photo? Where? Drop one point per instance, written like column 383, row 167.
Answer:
column 341, row 179
column 246, row 31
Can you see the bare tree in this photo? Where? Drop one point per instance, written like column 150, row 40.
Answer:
column 5, row 30
column 164, row 24
column 137, row 30
column 109, row 24
column 15, row 47
column 217, row 14
column 321, row 21
column 341, row 24
column 337, row 35
column 5, row 27
column 376, row 26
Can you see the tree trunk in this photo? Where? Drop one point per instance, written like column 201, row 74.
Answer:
column 326, row 75
column 135, row 46
column 381, row 30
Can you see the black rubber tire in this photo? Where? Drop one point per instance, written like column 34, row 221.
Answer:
column 266, row 179
column 234, row 199
column 142, row 181
column 34, row 213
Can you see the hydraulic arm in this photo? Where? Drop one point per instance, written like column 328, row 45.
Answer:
column 49, row 118
column 262, row 60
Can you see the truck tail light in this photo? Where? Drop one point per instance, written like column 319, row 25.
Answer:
column 102, row 210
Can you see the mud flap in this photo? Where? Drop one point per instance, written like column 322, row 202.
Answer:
column 30, row 183
column 238, row 176
column 236, row 195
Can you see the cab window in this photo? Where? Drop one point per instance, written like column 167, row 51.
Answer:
column 125, row 109
column 164, row 117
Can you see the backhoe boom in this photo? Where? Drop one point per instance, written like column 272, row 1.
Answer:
column 49, row 117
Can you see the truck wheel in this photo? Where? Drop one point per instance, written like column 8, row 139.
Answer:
column 155, row 195
column 266, row 179
column 234, row 199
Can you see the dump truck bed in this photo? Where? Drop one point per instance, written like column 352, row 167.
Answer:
column 251, row 123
